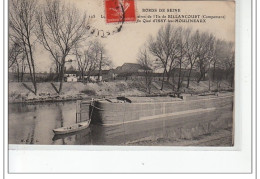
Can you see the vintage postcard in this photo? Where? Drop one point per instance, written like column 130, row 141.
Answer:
column 121, row 72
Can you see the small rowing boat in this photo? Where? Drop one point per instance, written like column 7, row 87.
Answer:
column 72, row 128
column 80, row 133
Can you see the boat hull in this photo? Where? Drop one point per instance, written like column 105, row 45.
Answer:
column 73, row 128
column 106, row 113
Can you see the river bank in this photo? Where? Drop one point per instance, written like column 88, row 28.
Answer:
column 18, row 93
column 220, row 138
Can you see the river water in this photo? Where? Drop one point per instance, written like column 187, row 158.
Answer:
column 33, row 124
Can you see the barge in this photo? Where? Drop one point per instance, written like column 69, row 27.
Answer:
column 122, row 110
column 122, row 120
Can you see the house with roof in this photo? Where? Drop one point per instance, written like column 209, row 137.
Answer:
column 132, row 68
column 131, row 71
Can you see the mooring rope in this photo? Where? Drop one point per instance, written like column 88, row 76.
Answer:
column 96, row 107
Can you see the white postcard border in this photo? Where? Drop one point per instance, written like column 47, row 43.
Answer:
column 162, row 159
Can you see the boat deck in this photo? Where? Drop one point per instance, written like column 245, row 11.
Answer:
column 159, row 99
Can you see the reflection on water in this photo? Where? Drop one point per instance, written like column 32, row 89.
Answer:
column 33, row 124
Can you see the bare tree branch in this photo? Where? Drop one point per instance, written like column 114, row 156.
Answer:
column 60, row 28
column 22, row 26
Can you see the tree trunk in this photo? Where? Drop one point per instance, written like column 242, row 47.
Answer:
column 146, row 81
column 202, row 74
column 18, row 72
column 231, row 81
column 23, row 69
column 200, row 78
column 168, row 75
column 214, row 71
column 82, row 76
column 33, row 67
column 209, row 84
column 188, row 80
column 58, row 70
column 30, row 68
column 173, row 81
column 100, row 68
column 35, row 87
column 163, row 79
column 62, row 75
column 179, row 79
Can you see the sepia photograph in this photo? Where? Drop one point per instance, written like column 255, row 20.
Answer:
column 121, row 73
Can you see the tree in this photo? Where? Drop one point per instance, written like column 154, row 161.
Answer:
column 91, row 57
column 191, row 54
column 85, row 60
column 15, row 50
column 224, row 57
column 60, row 28
column 204, row 52
column 145, row 61
column 22, row 26
column 170, row 48
column 99, row 52
column 163, row 48
column 182, row 37
column 16, row 58
column 179, row 49
column 229, row 61
column 20, row 66
column 217, row 56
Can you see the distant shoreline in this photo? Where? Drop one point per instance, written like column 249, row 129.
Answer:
column 18, row 94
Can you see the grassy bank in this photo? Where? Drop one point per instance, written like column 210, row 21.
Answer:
column 76, row 90
column 222, row 137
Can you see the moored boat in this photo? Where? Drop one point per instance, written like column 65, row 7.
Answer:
column 64, row 136
column 130, row 110
column 73, row 128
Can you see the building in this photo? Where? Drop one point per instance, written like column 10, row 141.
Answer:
column 129, row 68
column 131, row 71
column 105, row 75
column 71, row 76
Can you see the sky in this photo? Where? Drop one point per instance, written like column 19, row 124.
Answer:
column 123, row 47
